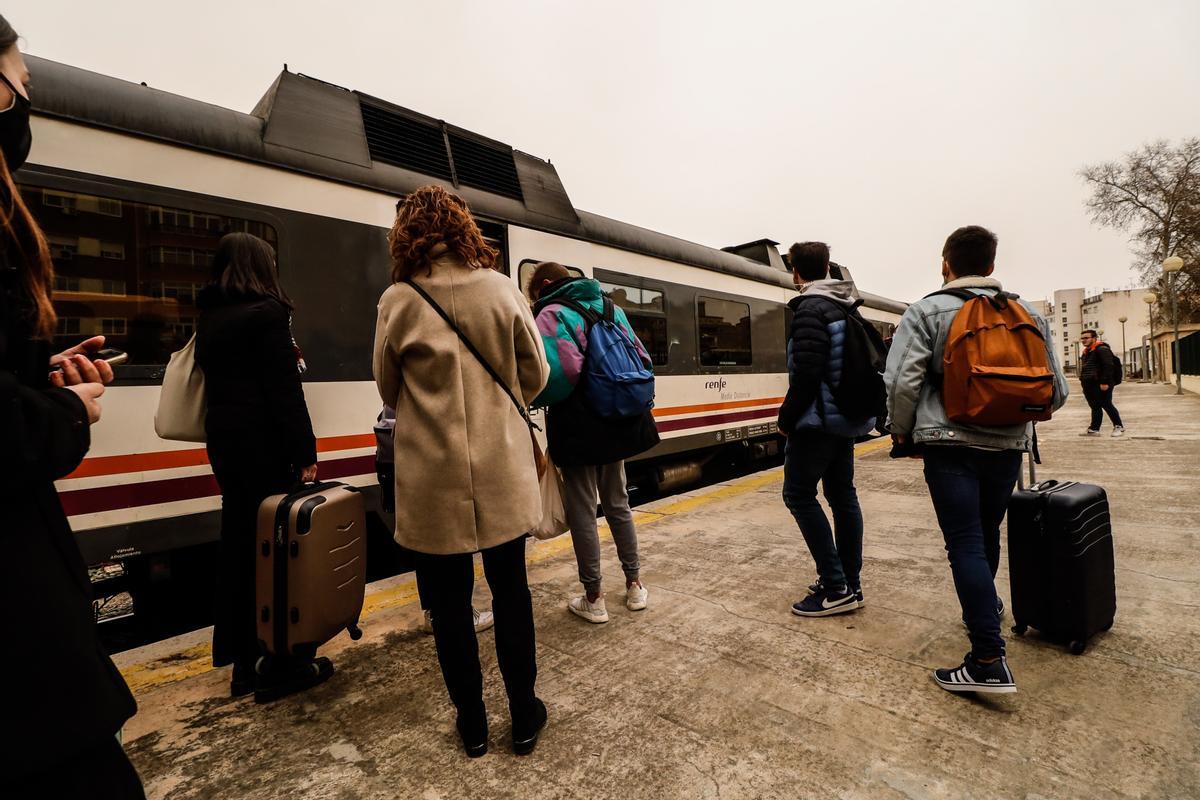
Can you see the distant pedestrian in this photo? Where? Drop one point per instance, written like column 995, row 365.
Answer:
column 458, row 357
column 1099, row 374
column 829, row 346
column 971, row 468
column 260, row 443
column 590, row 448
column 64, row 701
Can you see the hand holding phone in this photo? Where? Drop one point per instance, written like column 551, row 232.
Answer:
column 87, row 362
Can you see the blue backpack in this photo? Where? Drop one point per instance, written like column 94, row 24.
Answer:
column 616, row 383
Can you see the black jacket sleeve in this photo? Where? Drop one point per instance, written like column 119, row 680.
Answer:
column 44, row 434
column 809, row 356
column 282, row 388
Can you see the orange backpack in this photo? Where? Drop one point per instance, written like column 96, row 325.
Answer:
column 995, row 368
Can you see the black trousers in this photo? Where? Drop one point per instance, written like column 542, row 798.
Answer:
column 447, row 583
column 247, row 476
column 1101, row 402
column 102, row 772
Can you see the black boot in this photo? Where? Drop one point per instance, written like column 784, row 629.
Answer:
column 526, row 731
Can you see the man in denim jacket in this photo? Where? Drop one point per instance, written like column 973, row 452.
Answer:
column 971, row 470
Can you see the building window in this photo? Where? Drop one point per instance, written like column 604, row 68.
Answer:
column 122, row 274
column 1064, row 307
column 1064, row 322
column 646, row 310
column 1065, row 335
column 724, row 328
column 108, row 207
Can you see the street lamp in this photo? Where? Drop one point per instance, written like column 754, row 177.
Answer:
column 1171, row 266
column 1124, row 355
column 1150, row 298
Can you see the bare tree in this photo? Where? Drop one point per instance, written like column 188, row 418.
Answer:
column 1154, row 192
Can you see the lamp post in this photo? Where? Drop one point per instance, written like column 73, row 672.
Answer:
column 1171, row 266
column 1124, row 355
column 1150, row 298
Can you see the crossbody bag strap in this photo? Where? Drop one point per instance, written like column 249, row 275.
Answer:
column 478, row 356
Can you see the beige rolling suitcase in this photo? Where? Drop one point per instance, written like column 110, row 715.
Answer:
column 311, row 567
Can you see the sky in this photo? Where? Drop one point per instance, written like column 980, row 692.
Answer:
column 877, row 127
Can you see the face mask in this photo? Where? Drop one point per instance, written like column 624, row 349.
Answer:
column 15, row 135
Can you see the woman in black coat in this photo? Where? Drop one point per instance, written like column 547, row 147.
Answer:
column 64, row 701
column 260, row 443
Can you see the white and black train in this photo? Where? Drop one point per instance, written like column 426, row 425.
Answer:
column 134, row 187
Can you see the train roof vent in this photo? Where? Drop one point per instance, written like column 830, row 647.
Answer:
column 403, row 141
column 485, row 165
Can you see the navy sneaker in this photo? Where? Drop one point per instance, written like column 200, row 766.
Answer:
column 858, row 595
column 826, row 602
column 994, row 678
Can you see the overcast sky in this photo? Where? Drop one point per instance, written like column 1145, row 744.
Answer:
column 877, row 127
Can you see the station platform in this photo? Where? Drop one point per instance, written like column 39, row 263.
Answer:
column 717, row 691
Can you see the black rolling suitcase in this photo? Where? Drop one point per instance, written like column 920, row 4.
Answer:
column 1060, row 560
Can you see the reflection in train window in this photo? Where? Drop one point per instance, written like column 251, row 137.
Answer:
column 646, row 310
column 130, row 271
column 526, row 270
column 724, row 332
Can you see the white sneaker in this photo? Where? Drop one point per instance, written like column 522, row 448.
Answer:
column 483, row 621
column 636, row 596
column 1118, row 432
column 592, row 612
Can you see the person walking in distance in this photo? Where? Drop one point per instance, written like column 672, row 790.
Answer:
column 458, row 357
column 65, row 701
column 589, row 447
column 821, row 423
column 1099, row 374
column 970, row 468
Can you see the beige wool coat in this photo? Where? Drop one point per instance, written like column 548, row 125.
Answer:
column 465, row 473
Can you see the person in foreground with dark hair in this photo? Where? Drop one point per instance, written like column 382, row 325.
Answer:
column 466, row 478
column 970, row 469
column 64, row 702
column 821, row 433
column 1099, row 374
column 260, row 443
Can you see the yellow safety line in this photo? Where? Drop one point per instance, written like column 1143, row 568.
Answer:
column 197, row 660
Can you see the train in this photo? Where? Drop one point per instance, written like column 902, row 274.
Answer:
column 134, row 186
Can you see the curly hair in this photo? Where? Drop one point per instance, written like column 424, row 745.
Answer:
column 428, row 217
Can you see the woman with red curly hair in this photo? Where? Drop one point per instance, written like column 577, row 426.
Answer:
column 458, row 356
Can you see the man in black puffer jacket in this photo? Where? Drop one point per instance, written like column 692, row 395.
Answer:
column 1099, row 373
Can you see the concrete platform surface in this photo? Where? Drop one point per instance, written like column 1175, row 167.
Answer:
column 717, row 691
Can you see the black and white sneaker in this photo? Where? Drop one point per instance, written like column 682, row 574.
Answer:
column 826, row 602
column 994, row 678
column 858, row 595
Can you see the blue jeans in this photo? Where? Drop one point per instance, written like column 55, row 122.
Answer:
column 813, row 456
column 970, row 490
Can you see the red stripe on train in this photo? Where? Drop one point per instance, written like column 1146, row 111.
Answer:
column 715, row 419
column 129, row 495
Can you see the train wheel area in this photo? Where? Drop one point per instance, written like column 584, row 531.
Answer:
column 716, row 690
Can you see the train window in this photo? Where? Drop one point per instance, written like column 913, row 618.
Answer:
column 130, row 271
column 646, row 310
column 724, row 332
column 525, row 273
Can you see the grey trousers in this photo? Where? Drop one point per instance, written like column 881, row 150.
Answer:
column 581, row 486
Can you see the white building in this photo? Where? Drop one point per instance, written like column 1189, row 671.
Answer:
column 1073, row 311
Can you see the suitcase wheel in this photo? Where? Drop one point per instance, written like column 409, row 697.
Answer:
column 1020, row 628
column 1077, row 647
column 261, row 665
column 354, row 631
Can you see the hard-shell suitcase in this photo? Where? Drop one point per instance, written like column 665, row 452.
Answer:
column 311, row 567
column 1060, row 560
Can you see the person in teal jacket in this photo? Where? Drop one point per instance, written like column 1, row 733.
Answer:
column 590, row 450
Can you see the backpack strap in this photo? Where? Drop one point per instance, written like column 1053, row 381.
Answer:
column 478, row 356
column 999, row 300
column 590, row 317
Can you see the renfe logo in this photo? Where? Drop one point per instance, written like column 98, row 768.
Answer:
column 718, row 385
